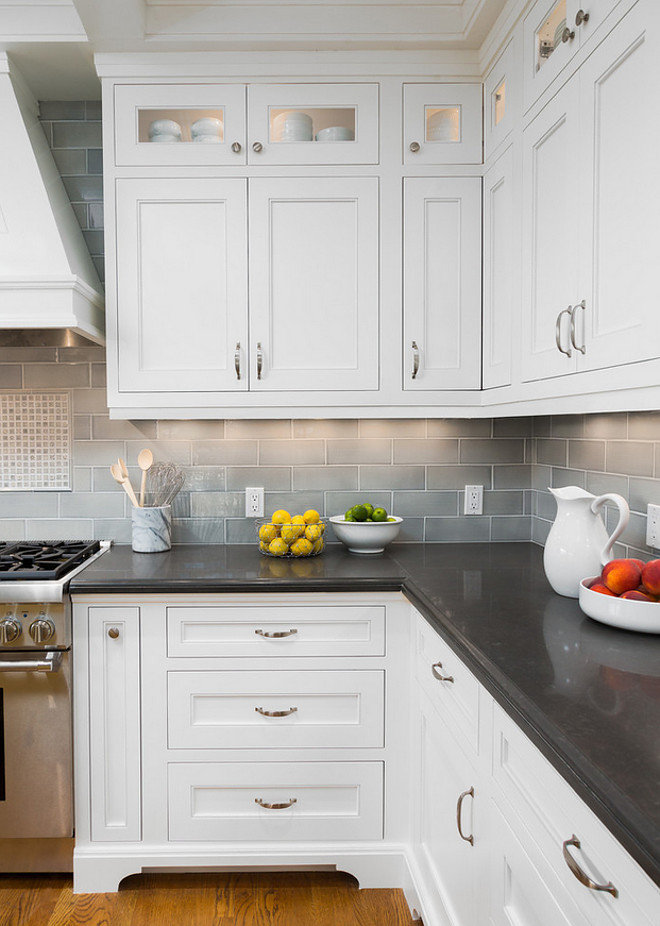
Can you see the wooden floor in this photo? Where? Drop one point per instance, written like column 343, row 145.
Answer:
column 236, row 899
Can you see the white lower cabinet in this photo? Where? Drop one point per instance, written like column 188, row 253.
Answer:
column 205, row 737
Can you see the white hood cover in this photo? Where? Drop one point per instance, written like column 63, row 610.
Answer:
column 47, row 278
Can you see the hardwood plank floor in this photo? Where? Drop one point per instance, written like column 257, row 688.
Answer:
column 233, row 899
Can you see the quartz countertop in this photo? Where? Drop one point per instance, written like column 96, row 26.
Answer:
column 587, row 695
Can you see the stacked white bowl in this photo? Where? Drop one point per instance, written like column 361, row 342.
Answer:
column 443, row 125
column 292, row 126
column 336, row 133
column 207, row 130
column 164, row 131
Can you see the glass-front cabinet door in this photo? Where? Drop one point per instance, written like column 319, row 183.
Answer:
column 179, row 124
column 313, row 124
column 442, row 124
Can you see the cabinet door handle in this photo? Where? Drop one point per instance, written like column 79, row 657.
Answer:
column 257, row 146
column 260, row 360
column 264, row 713
column 289, row 803
column 415, row 368
column 414, row 146
column 113, row 632
column 237, row 360
column 459, row 806
column 567, row 35
column 236, row 147
column 581, row 305
column 436, row 674
column 276, row 634
column 567, row 311
column 579, row 873
column 581, row 17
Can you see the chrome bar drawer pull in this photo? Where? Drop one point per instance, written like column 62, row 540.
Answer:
column 260, row 360
column 48, row 663
column 289, row 803
column 276, row 634
column 415, row 369
column 459, row 806
column 237, row 360
column 436, row 674
column 264, row 713
column 581, row 305
column 579, row 873
column 568, row 311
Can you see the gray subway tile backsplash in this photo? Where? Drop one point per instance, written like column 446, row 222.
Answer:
column 415, row 467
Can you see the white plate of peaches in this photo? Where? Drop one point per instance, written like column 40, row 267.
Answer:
column 626, row 594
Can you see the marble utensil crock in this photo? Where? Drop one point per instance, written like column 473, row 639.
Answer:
column 151, row 529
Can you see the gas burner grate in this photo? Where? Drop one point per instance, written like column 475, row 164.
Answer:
column 37, row 559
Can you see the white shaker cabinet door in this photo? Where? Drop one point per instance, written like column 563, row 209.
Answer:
column 551, row 180
column 442, row 283
column 181, row 284
column 314, row 283
column 619, row 208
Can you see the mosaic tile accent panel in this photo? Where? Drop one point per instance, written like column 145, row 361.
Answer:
column 35, row 441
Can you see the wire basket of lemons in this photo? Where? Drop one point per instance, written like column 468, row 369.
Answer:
column 291, row 536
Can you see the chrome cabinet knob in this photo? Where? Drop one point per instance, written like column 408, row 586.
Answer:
column 257, row 146
column 10, row 630
column 567, row 35
column 581, row 17
column 113, row 633
column 414, row 146
column 41, row 630
column 236, row 147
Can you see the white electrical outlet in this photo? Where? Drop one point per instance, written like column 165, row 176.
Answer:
column 474, row 500
column 254, row 503
column 653, row 526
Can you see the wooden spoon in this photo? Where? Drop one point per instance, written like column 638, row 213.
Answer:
column 124, row 481
column 145, row 462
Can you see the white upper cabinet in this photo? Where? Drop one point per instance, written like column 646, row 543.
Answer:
column 589, row 234
column 553, row 31
column 179, row 124
column 502, row 98
column 313, row 124
column 442, row 283
column 314, row 283
column 442, row 124
column 181, row 284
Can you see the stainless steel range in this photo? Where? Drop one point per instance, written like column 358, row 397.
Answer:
column 36, row 787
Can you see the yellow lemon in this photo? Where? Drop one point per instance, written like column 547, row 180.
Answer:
column 313, row 532
column 263, row 546
column 267, row 532
column 301, row 547
column 281, row 517
column 289, row 532
column 278, row 547
column 311, row 516
column 318, row 545
column 298, row 519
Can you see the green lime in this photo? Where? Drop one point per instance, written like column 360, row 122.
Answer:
column 349, row 517
column 368, row 508
column 359, row 512
column 379, row 514
column 391, row 519
column 348, row 514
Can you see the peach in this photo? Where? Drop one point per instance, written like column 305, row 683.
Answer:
column 651, row 576
column 603, row 589
column 635, row 595
column 621, row 575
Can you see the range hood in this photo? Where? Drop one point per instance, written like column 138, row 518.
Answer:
column 49, row 288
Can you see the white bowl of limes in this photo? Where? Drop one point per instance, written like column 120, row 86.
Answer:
column 286, row 535
column 365, row 528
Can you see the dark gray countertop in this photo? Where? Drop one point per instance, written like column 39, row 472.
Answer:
column 588, row 695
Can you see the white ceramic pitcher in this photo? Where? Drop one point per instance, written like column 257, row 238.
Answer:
column 578, row 544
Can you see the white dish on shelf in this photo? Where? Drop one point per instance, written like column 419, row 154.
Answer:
column 164, row 127
column 164, row 139
column 443, row 125
column 336, row 133
column 207, row 127
column 626, row 613
column 292, row 126
column 365, row 536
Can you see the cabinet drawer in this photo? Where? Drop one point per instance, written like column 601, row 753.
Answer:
column 305, row 630
column 325, row 800
column 452, row 688
column 215, row 710
column 553, row 813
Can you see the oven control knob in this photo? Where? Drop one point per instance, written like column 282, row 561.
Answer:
column 42, row 630
column 10, row 630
